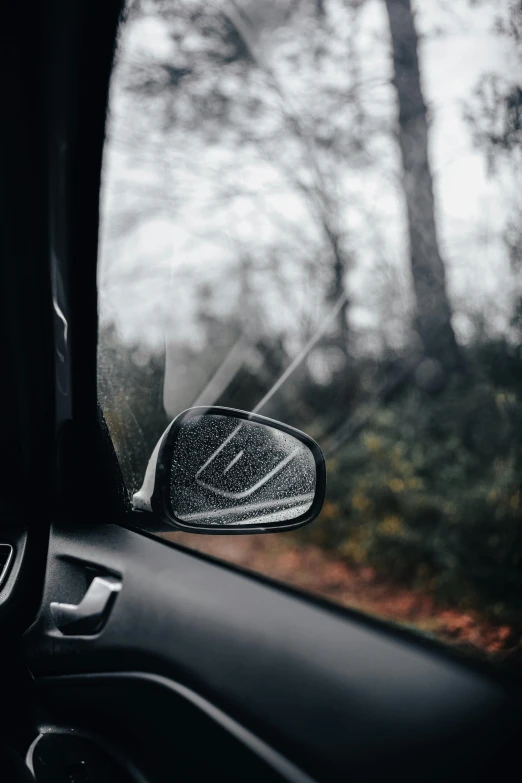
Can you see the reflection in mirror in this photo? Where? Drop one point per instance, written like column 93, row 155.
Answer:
column 231, row 471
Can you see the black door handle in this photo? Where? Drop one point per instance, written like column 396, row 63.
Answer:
column 90, row 615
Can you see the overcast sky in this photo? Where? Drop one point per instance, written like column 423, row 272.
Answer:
column 148, row 273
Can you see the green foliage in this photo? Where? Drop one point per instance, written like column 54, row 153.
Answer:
column 430, row 492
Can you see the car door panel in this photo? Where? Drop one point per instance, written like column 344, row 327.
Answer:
column 158, row 726
column 331, row 693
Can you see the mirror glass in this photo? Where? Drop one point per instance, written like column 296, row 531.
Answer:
column 230, row 471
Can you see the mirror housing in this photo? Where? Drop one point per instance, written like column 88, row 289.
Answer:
column 219, row 470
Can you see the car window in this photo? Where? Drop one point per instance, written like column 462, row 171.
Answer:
column 312, row 209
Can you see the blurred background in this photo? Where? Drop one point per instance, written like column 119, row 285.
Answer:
column 312, row 209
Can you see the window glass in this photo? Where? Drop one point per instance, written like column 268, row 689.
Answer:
column 312, row 208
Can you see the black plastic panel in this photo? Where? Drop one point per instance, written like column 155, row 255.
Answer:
column 164, row 729
column 65, row 757
column 335, row 696
column 12, row 539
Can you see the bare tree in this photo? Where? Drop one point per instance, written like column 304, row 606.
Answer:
column 283, row 111
column 433, row 309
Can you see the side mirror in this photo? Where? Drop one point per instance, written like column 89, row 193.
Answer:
column 219, row 470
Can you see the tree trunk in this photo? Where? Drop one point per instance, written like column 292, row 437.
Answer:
column 341, row 337
column 433, row 310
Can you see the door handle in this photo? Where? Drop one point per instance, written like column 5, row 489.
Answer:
column 90, row 615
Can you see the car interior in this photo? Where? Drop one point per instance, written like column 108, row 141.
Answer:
column 126, row 657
